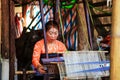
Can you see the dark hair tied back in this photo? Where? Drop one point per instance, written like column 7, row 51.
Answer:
column 51, row 24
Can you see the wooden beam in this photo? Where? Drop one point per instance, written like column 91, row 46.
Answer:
column 101, row 15
column 115, row 46
column 27, row 72
column 98, row 4
column 103, row 25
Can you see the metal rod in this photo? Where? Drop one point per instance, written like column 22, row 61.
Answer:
column 88, row 23
column 43, row 26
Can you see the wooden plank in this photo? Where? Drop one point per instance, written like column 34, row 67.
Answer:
column 115, row 46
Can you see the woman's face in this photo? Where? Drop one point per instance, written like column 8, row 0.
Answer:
column 52, row 34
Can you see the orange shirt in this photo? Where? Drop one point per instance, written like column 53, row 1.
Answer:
column 55, row 47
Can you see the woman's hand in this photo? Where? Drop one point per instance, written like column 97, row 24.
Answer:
column 41, row 69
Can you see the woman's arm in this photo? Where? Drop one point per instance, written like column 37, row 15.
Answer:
column 36, row 58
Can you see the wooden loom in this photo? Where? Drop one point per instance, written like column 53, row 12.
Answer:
column 79, row 65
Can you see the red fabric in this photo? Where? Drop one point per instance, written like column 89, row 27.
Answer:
column 107, row 40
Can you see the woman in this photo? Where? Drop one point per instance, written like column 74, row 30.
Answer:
column 53, row 45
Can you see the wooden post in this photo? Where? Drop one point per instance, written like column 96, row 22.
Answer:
column 8, row 35
column 5, row 37
column 0, row 42
column 0, row 28
column 11, row 40
column 83, row 43
column 115, row 46
column 5, row 28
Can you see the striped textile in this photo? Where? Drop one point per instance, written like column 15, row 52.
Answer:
column 36, row 9
column 70, row 28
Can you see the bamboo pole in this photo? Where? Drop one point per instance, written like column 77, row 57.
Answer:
column 115, row 50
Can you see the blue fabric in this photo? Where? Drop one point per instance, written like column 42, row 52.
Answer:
column 92, row 70
column 95, row 62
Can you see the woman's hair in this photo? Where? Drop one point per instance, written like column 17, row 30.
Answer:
column 51, row 24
